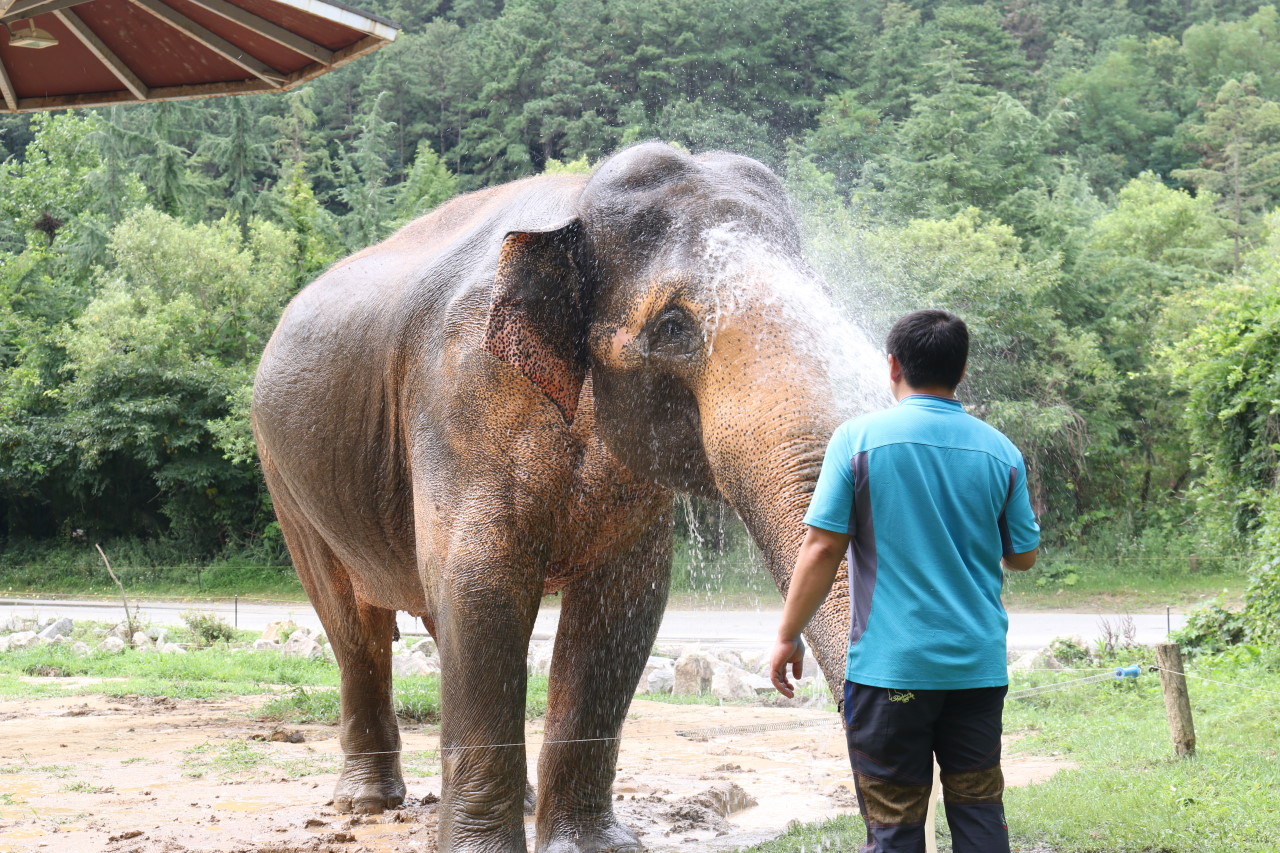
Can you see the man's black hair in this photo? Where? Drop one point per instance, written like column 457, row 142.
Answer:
column 932, row 346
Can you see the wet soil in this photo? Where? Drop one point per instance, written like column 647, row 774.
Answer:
column 159, row 775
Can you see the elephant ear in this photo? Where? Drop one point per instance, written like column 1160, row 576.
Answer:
column 537, row 319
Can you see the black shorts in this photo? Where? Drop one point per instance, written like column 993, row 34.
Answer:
column 894, row 736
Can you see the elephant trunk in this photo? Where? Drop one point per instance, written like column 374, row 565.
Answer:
column 773, row 504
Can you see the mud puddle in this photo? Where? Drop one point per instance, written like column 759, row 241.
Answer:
column 142, row 775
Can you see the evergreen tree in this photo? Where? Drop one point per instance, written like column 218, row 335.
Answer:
column 1240, row 142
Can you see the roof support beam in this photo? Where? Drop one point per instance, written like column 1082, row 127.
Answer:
column 19, row 10
column 104, row 54
column 276, row 33
column 216, row 43
column 6, row 85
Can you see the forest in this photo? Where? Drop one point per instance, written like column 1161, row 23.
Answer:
column 1093, row 185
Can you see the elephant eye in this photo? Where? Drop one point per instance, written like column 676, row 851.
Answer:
column 673, row 333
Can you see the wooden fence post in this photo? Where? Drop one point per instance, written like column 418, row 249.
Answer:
column 1177, row 702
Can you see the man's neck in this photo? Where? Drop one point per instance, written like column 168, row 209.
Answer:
column 902, row 390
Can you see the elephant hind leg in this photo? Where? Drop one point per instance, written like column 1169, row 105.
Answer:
column 360, row 634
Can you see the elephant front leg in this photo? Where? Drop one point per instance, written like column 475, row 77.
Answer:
column 608, row 622
column 488, row 615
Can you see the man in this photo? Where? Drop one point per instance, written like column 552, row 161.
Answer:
column 929, row 502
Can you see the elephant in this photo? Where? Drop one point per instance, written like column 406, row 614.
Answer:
column 499, row 402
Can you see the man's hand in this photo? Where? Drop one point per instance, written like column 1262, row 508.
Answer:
column 815, row 571
column 786, row 652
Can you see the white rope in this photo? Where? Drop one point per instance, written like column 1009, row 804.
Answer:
column 1155, row 668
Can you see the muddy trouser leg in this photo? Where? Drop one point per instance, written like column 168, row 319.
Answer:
column 890, row 734
column 967, row 743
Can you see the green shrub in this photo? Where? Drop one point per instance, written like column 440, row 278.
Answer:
column 209, row 628
column 1213, row 629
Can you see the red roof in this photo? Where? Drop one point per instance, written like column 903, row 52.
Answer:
column 122, row 51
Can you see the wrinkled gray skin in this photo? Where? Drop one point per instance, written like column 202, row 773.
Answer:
column 497, row 402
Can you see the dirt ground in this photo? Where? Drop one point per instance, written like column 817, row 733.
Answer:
column 144, row 775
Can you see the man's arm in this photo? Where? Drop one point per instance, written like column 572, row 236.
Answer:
column 1019, row 562
column 815, row 572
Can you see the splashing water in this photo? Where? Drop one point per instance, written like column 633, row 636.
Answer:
column 744, row 270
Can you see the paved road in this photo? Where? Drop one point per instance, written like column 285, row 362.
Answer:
column 746, row 630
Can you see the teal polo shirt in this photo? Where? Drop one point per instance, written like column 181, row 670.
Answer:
column 932, row 498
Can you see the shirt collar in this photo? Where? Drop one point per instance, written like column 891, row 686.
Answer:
column 928, row 401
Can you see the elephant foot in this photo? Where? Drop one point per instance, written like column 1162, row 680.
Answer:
column 605, row 836
column 359, row 794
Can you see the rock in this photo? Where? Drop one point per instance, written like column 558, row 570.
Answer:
column 264, row 645
column 172, row 649
column 1023, row 663
column 112, row 645
column 693, row 673
column 539, row 659
column 158, row 635
column 730, row 657
column 278, row 632
column 300, row 644
column 80, row 648
column 142, row 641
column 397, row 648
column 666, row 667
column 4, row 643
column 427, row 647
column 662, row 680
column 25, row 640
column 60, row 628
column 60, row 640
column 414, row 663
column 733, row 683
column 121, row 631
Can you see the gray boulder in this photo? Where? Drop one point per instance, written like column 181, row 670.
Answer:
column 730, row 657
column 264, row 645
column 60, row 628
column 80, row 648
column 662, row 680
column 414, row 663
column 172, row 649
column 112, row 645
column 278, row 632
column 658, row 676
column 693, row 673
column 121, row 631
column 25, row 640
column 539, row 660
column 733, row 683
column 4, row 643
column 301, row 644
column 427, row 647
column 158, row 635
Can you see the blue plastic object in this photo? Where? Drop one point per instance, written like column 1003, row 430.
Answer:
column 1123, row 672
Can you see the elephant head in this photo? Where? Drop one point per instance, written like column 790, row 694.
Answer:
column 719, row 365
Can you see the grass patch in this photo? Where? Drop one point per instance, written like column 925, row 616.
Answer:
column 1131, row 795
column 87, row 788
column 417, row 700
column 420, row 763
column 835, row 835
column 218, row 665
column 1130, row 792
